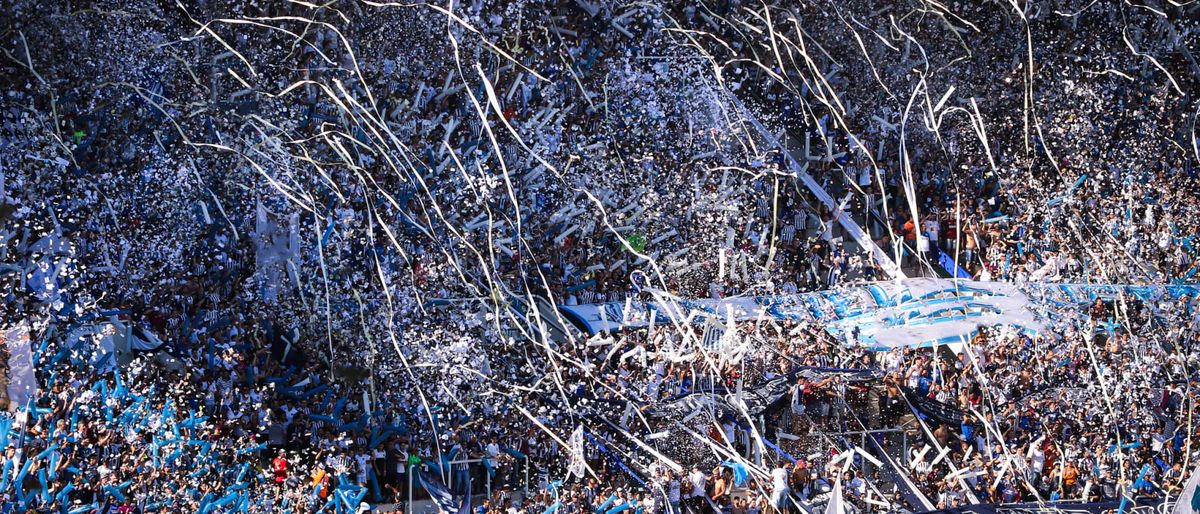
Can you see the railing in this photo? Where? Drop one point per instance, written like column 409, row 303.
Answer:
column 476, row 468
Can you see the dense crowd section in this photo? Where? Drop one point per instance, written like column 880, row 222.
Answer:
column 338, row 219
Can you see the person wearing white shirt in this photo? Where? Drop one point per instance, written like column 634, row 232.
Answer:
column 696, row 498
column 780, row 492
column 363, row 463
column 931, row 228
column 1037, row 461
column 493, row 452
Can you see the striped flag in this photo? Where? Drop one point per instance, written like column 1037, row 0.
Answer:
column 437, row 492
column 714, row 330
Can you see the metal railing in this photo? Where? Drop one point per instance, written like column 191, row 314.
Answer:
column 475, row 469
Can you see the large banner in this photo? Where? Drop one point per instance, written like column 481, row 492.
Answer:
column 881, row 316
column 913, row 312
column 1141, row 506
column 758, row 399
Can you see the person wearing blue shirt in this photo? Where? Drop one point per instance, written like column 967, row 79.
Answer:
column 968, row 430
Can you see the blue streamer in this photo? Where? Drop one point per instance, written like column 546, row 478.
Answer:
column 226, row 500
column 604, row 506
column 46, row 453
column 114, row 492
column 45, row 485
column 20, row 480
column 61, row 497
column 618, row 508
column 739, row 472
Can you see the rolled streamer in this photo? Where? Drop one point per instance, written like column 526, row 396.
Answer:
column 5, row 429
column 62, row 495
column 46, row 453
column 45, row 485
column 351, row 499
column 374, row 480
column 226, row 500
column 116, row 493
column 604, row 506
column 315, row 391
column 618, row 508
column 354, row 425
column 205, row 501
column 21, row 476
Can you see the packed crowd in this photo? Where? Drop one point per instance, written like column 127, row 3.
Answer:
column 1084, row 413
column 336, row 220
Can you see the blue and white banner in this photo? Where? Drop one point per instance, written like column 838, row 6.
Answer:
column 437, row 491
column 884, row 315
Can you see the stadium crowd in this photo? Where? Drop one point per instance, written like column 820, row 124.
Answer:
column 330, row 217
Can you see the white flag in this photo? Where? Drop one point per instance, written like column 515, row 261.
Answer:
column 1187, row 500
column 835, row 500
column 578, row 464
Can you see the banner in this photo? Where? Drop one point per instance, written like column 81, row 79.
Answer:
column 764, row 396
column 437, row 491
column 758, row 399
column 913, row 312
column 578, row 462
column 689, row 405
column 1189, row 498
column 714, row 330
column 22, row 382
column 943, row 413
